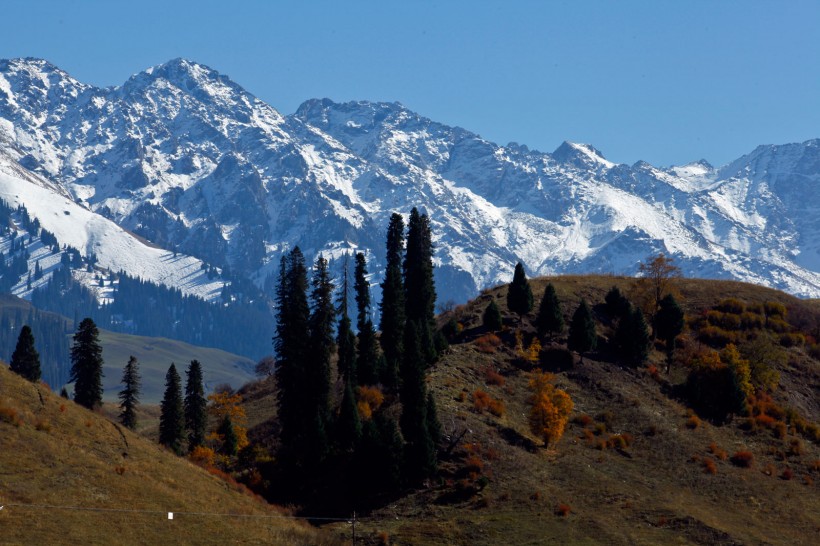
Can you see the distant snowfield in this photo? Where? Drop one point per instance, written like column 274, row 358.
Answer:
column 115, row 248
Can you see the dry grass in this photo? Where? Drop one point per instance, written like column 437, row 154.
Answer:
column 106, row 485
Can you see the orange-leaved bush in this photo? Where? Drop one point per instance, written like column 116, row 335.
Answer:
column 224, row 404
column 370, row 400
column 550, row 408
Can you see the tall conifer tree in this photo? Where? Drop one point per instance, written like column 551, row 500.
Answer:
column 86, row 365
column 550, row 319
column 195, row 406
column 25, row 360
column 368, row 355
column 419, row 286
column 582, row 337
column 392, row 304
column 345, row 338
column 129, row 395
column 172, row 416
column 519, row 294
column 420, row 451
column 291, row 344
column 320, row 326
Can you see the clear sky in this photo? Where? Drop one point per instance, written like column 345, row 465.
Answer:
column 667, row 82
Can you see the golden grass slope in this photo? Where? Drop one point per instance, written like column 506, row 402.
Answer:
column 70, row 476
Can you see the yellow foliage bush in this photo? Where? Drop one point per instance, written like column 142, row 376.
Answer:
column 224, row 404
column 550, row 408
column 370, row 400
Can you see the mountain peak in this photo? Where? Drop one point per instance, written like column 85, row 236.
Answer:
column 580, row 154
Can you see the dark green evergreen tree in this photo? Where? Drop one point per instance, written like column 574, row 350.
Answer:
column 129, row 395
column 632, row 337
column 367, row 357
column 172, row 415
column 25, row 360
column 349, row 425
column 491, row 319
column 419, row 286
column 420, row 451
column 392, row 304
column 86, row 365
column 321, row 327
column 230, row 442
column 669, row 322
column 616, row 303
column 345, row 338
column 195, row 406
column 519, row 294
column 550, row 318
column 291, row 345
column 582, row 337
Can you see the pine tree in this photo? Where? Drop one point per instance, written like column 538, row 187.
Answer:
column 419, row 286
column 616, row 303
column 582, row 337
column 345, row 338
column 86, row 365
column 420, row 451
column 349, row 425
column 632, row 337
column 519, row 294
column 230, row 442
column 367, row 357
column 491, row 319
column 195, row 406
column 392, row 304
column 172, row 415
column 25, row 360
column 320, row 326
column 291, row 344
column 550, row 319
column 669, row 322
column 129, row 395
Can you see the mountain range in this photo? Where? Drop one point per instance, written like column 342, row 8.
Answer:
column 181, row 172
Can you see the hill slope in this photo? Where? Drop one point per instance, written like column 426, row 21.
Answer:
column 633, row 466
column 68, row 475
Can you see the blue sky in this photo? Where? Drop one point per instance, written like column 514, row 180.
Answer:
column 664, row 82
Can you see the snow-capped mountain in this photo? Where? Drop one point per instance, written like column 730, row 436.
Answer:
column 190, row 161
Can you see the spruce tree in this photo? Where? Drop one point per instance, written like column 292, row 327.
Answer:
column 86, row 365
column 172, row 415
column 349, row 424
column 291, row 344
column 550, row 319
column 345, row 338
column 420, row 451
column 669, row 322
column 519, row 294
column 491, row 319
column 419, row 286
column 195, row 406
column 230, row 442
column 129, row 395
column 320, row 326
column 392, row 304
column 367, row 356
column 632, row 337
column 25, row 360
column 582, row 337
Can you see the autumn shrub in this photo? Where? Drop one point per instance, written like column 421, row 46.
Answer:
column 120, row 470
column 369, row 400
column 726, row 321
column 774, row 309
column 792, row 339
column 550, row 408
column 731, row 305
column 482, row 401
column 582, row 419
column 751, row 321
column 653, row 372
column 777, row 325
column 620, row 441
column 492, row 377
column 743, row 459
column 795, row 447
column 709, row 465
column 10, row 415
column 462, row 396
column 562, row 510
column 488, row 343
column 202, row 456
column 42, row 425
column 383, row 538
column 719, row 384
column 718, row 452
column 224, row 403
column 62, row 408
column 787, row 474
column 693, row 422
column 717, row 337
column 814, row 466
column 769, row 469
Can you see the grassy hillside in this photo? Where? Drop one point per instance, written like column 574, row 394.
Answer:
column 155, row 355
column 635, row 465
column 70, row 476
